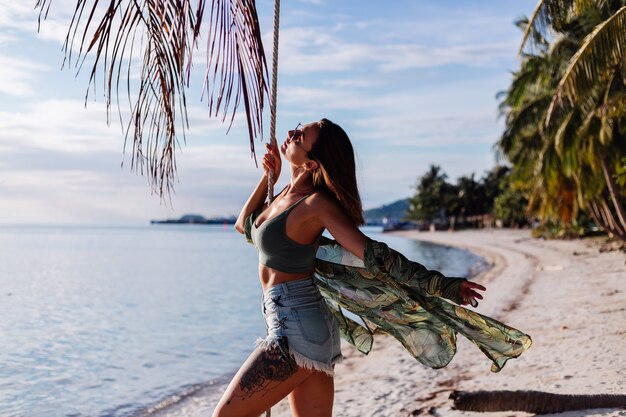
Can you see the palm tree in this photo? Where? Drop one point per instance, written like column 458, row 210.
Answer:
column 494, row 183
column 593, row 84
column 565, row 154
column 471, row 195
column 530, row 145
column 164, row 35
column 430, row 200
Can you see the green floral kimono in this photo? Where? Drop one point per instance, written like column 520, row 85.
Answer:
column 406, row 300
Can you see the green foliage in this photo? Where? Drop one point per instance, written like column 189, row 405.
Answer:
column 557, row 230
column 431, row 196
column 620, row 175
column 438, row 201
column 470, row 196
column 565, row 116
column 510, row 207
column 494, row 182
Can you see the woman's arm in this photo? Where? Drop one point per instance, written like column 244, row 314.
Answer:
column 255, row 201
column 271, row 161
column 351, row 238
column 341, row 228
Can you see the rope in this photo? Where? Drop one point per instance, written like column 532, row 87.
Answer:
column 270, row 178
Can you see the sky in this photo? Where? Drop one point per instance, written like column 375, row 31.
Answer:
column 413, row 83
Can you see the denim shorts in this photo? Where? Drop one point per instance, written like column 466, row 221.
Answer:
column 296, row 313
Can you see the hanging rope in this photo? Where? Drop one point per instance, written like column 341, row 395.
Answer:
column 270, row 178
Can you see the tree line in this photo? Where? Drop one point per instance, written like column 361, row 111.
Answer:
column 469, row 202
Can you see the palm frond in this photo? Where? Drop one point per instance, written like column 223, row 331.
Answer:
column 545, row 15
column 529, row 81
column 600, row 53
column 161, row 36
column 563, row 132
column 236, row 66
column 553, row 14
column 521, row 122
column 614, row 107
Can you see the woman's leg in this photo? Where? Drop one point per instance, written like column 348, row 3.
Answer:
column 313, row 397
column 267, row 376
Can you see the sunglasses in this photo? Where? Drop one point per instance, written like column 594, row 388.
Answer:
column 296, row 137
column 297, row 133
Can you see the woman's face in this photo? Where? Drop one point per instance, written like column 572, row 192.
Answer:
column 299, row 143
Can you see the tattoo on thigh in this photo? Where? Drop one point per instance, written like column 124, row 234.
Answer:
column 274, row 365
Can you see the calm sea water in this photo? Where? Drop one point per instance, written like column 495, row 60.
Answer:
column 104, row 321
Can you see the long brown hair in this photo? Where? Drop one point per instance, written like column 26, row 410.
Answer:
column 336, row 172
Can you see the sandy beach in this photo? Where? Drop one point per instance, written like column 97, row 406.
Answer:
column 568, row 295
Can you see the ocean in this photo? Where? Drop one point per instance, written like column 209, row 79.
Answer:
column 118, row 321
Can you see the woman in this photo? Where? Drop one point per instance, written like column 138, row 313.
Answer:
column 297, row 357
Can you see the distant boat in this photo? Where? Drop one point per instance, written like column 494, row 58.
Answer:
column 196, row 219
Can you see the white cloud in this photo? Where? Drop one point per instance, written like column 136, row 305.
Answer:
column 18, row 15
column 408, row 56
column 306, row 50
column 17, row 75
column 22, row 16
column 316, row 2
column 60, row 125
column 355, row 82
column 422, row 132
column 61, row 163
column 455, row 113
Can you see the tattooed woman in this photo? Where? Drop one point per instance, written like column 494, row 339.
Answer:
column 297, row 357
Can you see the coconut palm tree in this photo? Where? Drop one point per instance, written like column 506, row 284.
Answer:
column 471, row 196
column 161, row 37
column 565, row 154
column 593, row 84
column 430, row 200
column 530, row 145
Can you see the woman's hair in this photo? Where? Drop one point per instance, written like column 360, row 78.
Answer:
column 336, row 172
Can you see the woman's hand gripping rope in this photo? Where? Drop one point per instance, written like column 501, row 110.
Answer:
column 271, row 161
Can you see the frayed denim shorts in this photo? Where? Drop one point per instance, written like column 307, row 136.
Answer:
column 296, row 313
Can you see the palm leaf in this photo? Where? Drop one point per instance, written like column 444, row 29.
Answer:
column 600, row 53
column 519, row 122
column 563, row 132
column 547, row 13
column 236, row 66
column 554, row 14
column 615, row 107
column 161, row 36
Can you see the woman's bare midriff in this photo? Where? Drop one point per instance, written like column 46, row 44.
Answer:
column 270, row 277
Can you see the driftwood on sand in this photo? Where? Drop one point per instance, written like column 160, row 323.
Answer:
column 537, row 402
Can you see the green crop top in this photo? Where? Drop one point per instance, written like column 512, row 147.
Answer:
column 277, row 250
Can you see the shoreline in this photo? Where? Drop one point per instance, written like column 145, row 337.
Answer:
column 568, row 295
column 200, row 399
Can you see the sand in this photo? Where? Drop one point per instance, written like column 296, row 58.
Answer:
column 566, row 294
column 570, row 296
